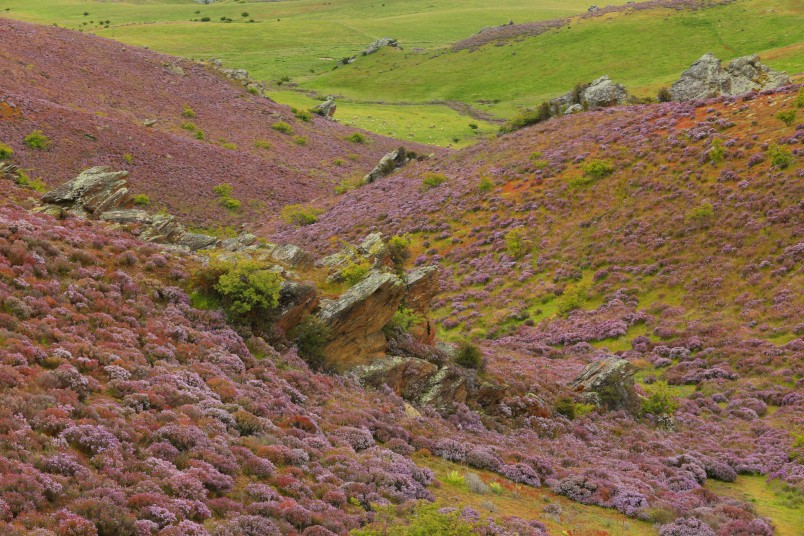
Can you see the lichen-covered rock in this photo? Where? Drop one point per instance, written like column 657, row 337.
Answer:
column 423, row 383
column 355, row 320
column 600, row 93
column 706, row 78
column 608, row 383
column 196, row 241
column 292, row 256
column 133, row 215
column 326, row 108
column 388, row 163
column 91, row 193
column 380, row 44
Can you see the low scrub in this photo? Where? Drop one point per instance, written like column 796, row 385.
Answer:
column 300, row 215
column 242, row 286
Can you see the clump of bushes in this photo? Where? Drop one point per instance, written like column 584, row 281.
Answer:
column 515, row 244
column 303, row 115
column 780, row 157
column 300, row 140
column 5, row 151
column 300, row 215
column 788, row 117
column 37, row 140
column 349, row 183
column 469, row 356
column 572, row 299
column 598, row 169
column 399, row 247
column 664, row 95
column 527, row 118
column 262, row 144
column 660, row 400
column 281, row 126
column 188, row 112
column 224, row 193
column 485, row 184
column 243, row 286
column 354, row 272
column 310, row 336
column 702, row 212
column 433, row 180
column 718, row 152
column 142, row 200
column 403, row 319
column 357, row 137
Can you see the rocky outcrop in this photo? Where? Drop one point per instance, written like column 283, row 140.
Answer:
column 389, row 163
column 379, row 44
column 327, row 108
column 422, row 383
column 292, row 256
column 706, row 78
column 608, row 383
column 355, row 320
column 600, row 93
column 91, row 193
column 372, row 252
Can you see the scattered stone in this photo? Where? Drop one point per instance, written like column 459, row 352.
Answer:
column 600, row 93
column 173, row 68
column 706, row 78
column 149, row 122
column 196, row 241
column 292, row 256
column 127, row 216
column 574, row 109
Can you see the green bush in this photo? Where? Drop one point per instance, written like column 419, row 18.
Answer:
column 37, row 140
column 580, row 182
column 128, row 158
column 540, row 163
column 5, row 151
column 262, row 144
column 572, row 299
column 527, row 118
column 566, row 407
column 718, row 152
column 780, row 157
column 425, row 520
column 199, row 135
column 469, row 356
column 310, row 336
column 357, row 137
column 659, row 400
column 223, row 190
column 515, row 244
column 402, row 321
column 354, row 272
column 300, row 215
column 788, row 117
column 800, row 98
column 597, row 169
column 190, row 126
column 399, row 247
column 485, row 184
column 243, row 286
column 303, row 115
column 282, row 127
column 664, row 95
column 349, row 183
column 702, row 212
column 300, row 140
column 230, row 203
column 188, row 112
column 433, row 180
column 142, row 200
column 229, row 145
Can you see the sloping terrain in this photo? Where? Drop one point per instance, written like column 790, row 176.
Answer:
column 91, row 96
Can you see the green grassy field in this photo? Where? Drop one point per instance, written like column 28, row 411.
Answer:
column 399, row 93
column 784, row 508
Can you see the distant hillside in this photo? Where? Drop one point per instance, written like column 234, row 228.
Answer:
column 91, row 96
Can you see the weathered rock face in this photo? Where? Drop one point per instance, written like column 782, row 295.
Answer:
column 372, row 251
column 355, row 320
column 380, row 44
column 292, row 256
column 422, row 285
column 608, row 383
column 91, row 193
column 706, row 78
column 326, row 108
column 421, row 382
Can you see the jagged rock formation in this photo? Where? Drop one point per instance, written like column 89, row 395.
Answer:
column 372, row 251
column 375, row 46
column 600, row 93
column 327, row 108
column 355, row 320
column 389, row 163
column 608, row 383
column 296, row 300
column 706, row 78
column 91, row 193
column 421, row 382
